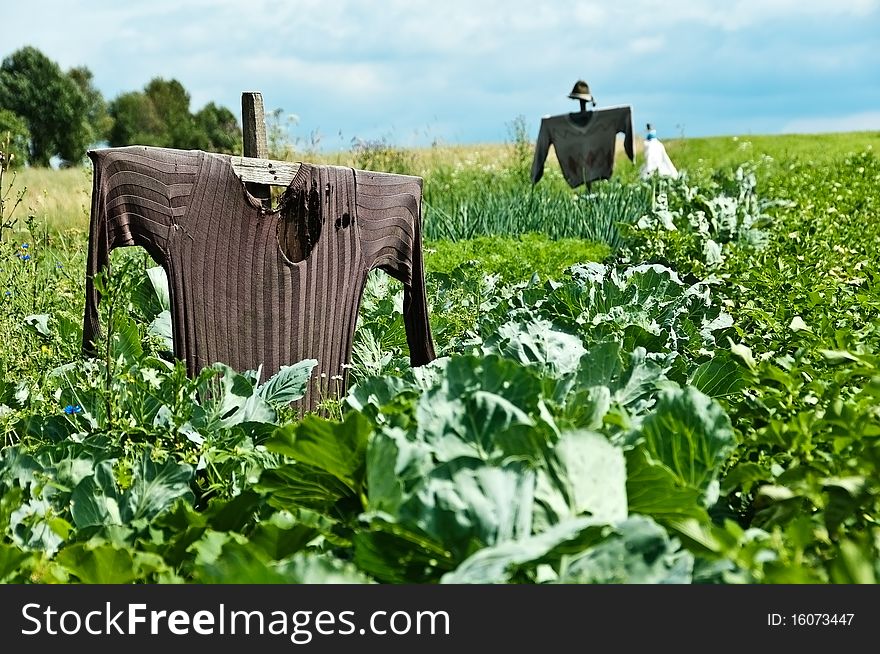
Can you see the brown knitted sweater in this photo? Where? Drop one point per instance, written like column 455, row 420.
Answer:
column 250, row 286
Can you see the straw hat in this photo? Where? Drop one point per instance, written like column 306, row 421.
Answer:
column 581, row 91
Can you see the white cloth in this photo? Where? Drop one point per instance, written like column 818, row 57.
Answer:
column 656, row 160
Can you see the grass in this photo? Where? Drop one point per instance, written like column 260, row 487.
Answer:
column 465, row 184
column 511, row 209
column 58, row 198
column 784, row 150
column 514, row 259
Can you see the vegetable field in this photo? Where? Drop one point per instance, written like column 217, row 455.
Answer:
column 657, row 382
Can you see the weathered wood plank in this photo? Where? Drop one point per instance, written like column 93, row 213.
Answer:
column 253, row 126
column 264, row 171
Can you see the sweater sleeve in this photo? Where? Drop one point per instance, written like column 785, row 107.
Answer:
column 138, row 194
column 626, row 126
column 542, row 147
column 389, row 218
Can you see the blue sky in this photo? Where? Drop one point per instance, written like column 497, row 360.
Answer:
column 414, row 72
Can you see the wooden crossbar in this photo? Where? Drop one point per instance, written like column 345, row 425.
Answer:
column 255, row 168
column 264, row 171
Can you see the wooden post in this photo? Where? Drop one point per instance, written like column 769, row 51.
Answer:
column 253, row 125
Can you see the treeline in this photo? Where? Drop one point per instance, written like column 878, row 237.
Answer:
column 46, row 113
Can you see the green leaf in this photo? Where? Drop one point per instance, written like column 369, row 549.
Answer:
column 854, row 564
column 237, row 563
column 498, row 564
column 235, row 514
column 370, row 395
column 466, row 504
column 17, row 467
column 289, row 383
column 395, row 466
column 637, row 551
column 231, row 399
column 744, row 353
column 155, row 488
column 125, row 342
column 305, row 568
column 603, row 381
column 653, row 489
column 392, row 553
column 463, row 503
column 161, row 327
column 10, row 499
column 336, row 448
column 39, row 323
column 95, row 500
column 68, row 329
column 149, row 294
column 700, row 538
column 744, row 474
column 838, row 357
column 11, row 560
column 159, row 281
column 209, row 547
column 100, row 564
column 691, row 435
column 152, row 568
column 13, row 394
column 489, row 408
column 281, row 535
column 797, row 324
column 536, row 342
column 637, row 382
column 224, row 558
column 601, row 365
column 719, row 377
column 845, row 496
column 47, row 429
column 299, row 484
column 590, row 473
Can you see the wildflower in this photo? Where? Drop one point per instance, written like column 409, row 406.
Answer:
column 71, row 409
column 24, row 257
column 25, row 246
column 8, row 293
column 59, row 266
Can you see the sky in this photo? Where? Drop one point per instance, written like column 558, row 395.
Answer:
column 463, row 71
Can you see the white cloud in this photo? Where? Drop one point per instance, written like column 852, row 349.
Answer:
column 468, row 63
column 339, row 80
column 864, row 121
column 739, row 14
column 647, row 44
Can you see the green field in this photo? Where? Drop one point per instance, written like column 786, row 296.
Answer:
column 664, row 381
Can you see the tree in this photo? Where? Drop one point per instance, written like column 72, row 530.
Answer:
column 160, row 116
column 97, row 116
column 171, row 101
column 136, row 121
column 14, row 139
column 220, row 126
column 51, row 104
